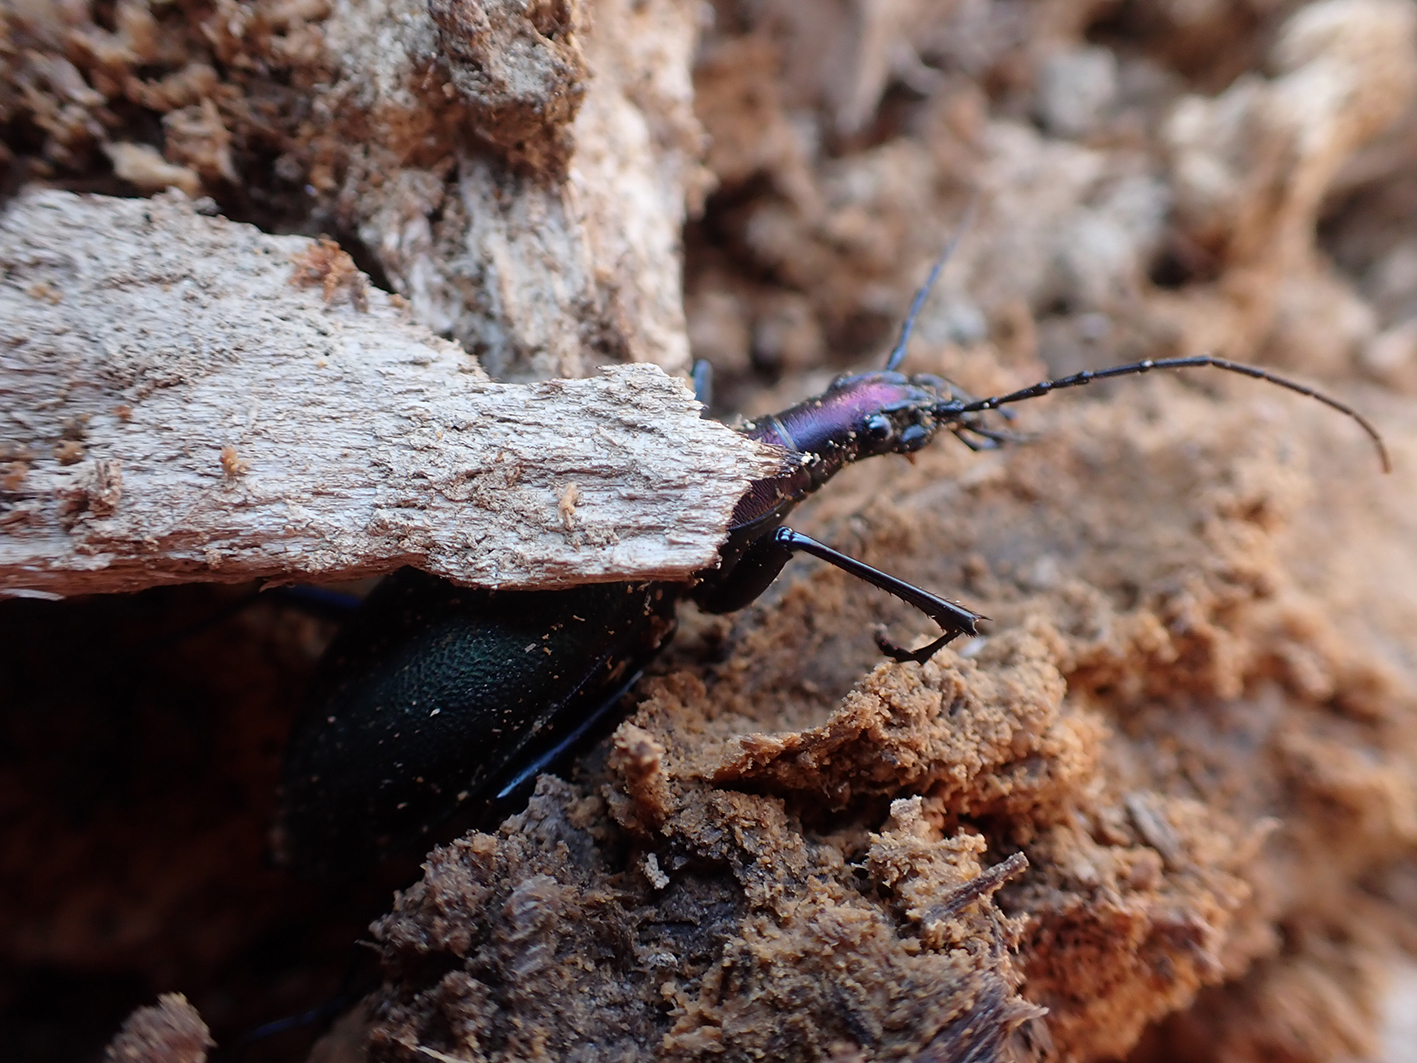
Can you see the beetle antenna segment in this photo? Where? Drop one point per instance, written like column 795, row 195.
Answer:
column 898, row 352
column 1087, row 376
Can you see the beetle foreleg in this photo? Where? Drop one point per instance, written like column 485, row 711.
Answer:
column 749, row 576
column 955, row 619
column 702, row 379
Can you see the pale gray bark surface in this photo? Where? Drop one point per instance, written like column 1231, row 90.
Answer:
column 557, row 250
column 173, row 408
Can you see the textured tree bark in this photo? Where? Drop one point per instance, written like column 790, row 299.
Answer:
column 521, row 171
column 187, row 399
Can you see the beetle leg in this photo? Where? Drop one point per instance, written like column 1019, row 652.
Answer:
column 566, row 744
column 955, row 619
column 750, row 575
column 702, row 379
column 897, row 652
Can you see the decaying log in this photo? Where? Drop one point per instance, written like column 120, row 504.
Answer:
column 185, row 399
column 521, row 172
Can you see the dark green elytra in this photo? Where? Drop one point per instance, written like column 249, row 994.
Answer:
column 433, row 689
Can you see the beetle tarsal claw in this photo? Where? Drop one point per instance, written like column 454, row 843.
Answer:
column 899, row 653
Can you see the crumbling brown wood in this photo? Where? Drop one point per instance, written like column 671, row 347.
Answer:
column 184, row 399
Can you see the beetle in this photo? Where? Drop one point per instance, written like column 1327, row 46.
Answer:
column 437, row 696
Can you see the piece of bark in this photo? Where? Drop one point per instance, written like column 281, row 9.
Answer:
column 170, row 1031
column 187, row 399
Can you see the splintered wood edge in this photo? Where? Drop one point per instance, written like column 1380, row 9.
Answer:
column 186, row 399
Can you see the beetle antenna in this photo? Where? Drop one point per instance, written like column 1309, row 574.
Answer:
column 898, row 352
column 1087, row 376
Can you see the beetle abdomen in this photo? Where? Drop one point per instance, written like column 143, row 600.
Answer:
column 432, row 691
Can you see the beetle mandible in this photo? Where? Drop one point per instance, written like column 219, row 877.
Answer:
column 435, row 696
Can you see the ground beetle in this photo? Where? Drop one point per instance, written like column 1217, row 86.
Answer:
column 436, row 696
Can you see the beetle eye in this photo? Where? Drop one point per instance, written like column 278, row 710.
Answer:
column 878, row 426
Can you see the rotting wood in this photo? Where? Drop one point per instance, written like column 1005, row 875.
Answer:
column 187, row 399
column 521, row 172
